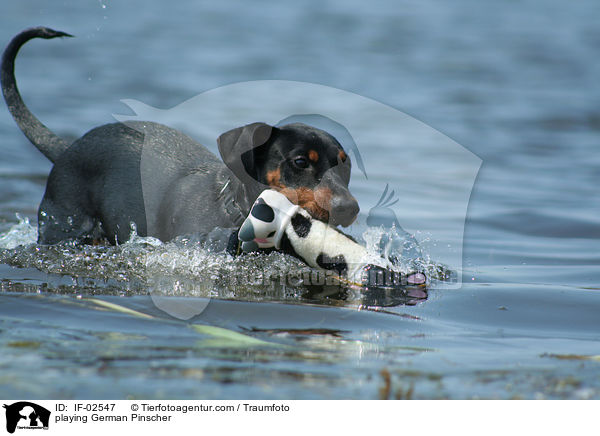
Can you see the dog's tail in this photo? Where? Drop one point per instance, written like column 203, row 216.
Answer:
column 45, row 140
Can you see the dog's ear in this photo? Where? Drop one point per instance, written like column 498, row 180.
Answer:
column 236, row 148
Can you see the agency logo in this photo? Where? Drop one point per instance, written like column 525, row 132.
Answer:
column 24, row 415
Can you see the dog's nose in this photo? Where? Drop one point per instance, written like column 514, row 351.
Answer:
column 343, row 210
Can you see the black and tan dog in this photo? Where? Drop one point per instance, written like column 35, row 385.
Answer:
column 166, row 183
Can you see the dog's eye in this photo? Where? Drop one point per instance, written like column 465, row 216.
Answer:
column 301, row 162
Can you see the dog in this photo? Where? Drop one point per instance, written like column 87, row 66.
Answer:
column 165, row 184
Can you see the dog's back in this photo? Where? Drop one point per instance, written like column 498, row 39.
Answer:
column 119, row 174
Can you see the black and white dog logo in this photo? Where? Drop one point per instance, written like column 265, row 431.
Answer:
column 26, row 415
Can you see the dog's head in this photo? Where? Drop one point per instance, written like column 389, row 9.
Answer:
column 306, row 164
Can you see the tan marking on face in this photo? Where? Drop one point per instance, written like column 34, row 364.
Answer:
column 323, row 198
column 316, row 202
column 305, row 198
column 313, row 155
column 342, row 155
column 273, row 178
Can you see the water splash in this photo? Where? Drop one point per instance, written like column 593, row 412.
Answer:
column 21, row 233
column 187, row 266
column 405, row 253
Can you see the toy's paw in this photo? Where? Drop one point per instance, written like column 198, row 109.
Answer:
column 250, row 246
column 416, row 278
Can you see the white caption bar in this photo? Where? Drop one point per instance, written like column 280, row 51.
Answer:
column 24, row 417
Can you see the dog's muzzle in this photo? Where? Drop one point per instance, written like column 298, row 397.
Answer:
column 343, row 211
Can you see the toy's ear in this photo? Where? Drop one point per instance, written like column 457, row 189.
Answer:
column 237, row 145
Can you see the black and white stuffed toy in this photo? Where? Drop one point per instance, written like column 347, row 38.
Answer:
column 274, row 222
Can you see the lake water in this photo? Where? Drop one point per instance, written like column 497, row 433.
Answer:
column 506, row 148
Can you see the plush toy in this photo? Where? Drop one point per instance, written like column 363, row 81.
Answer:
column 274, row 222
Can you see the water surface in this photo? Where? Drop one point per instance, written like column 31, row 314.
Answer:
column 514, row 83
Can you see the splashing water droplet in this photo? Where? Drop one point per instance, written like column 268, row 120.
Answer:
column 22, row 233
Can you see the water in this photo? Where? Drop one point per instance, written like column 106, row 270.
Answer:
column 514, row 83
